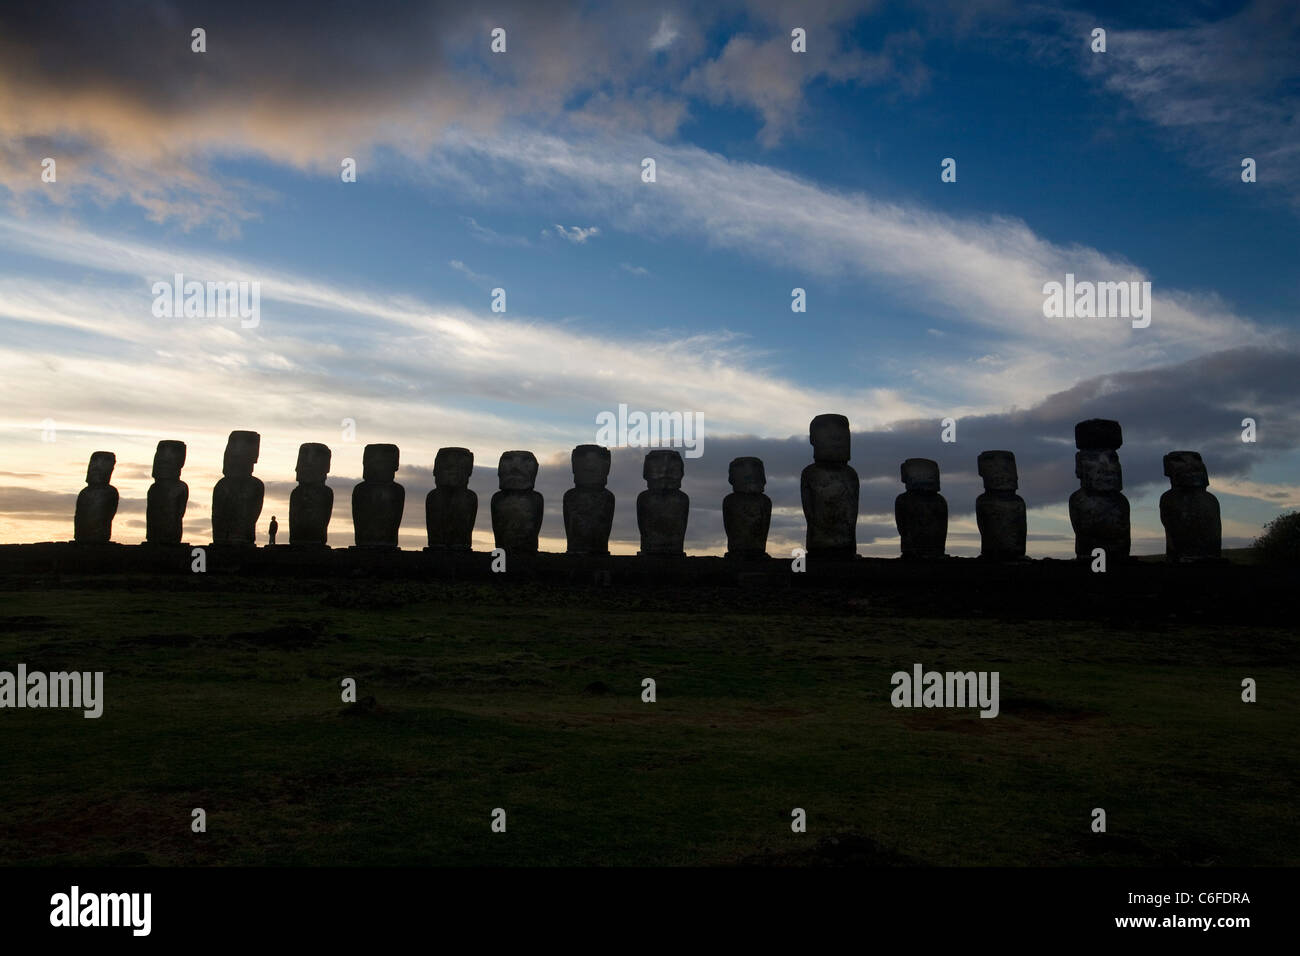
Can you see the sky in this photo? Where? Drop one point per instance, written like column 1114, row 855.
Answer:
column 775, row 170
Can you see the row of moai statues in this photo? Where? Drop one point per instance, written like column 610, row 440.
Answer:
column 829, row 490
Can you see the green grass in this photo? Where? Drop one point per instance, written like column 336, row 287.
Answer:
column 226, row 696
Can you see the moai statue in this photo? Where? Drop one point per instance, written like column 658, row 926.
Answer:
column 589, row 505
column 1190, row 514
column 1098, row 510
column 168, row 495
column 921, row 512
column 662, row 509
column 97, row 502
column 829, row 489
column 517, row 508
column 1000, row 512
column 312, row 502
column 237, row 497
column 451, row 508
column 747, row 512
column 378, row 500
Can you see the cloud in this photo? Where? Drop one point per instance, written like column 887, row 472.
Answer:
column 634, row 270
column 577, row 234
column 469, row 273
column 491, row 236
column 665, row 34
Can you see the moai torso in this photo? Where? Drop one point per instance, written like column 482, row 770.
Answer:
column 1099, row 512
column 450, row 509
column 829, row 490
column 168, row 495
column 517, row 509
column 1190, row 514
column 311, row 503
column 747, row 512
column 378, row 501
column 920, row 512
column 663, row 508
column 1000, row 512
column 237, row 497
column 97, row 502
column 589, row 505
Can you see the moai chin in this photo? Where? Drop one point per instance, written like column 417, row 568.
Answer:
column 747, row 512
column 168, row 495
column 311, row 503
column 97, row 502
column 378, row 500
column 1190, row 514
column 829, row 490
column 589, row 505
column 920, row 512
column 517, row 508
column 450, row 509
column 1099, row 512
column 663, row 508
column 237, row 497
column 1000, row 512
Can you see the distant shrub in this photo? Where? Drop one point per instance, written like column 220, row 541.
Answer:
column 1280, row 542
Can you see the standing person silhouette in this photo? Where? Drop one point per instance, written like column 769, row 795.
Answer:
column 273, row 529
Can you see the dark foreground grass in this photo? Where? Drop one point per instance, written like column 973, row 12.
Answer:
column 226, row 696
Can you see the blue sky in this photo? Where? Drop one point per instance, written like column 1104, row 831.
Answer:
column 776, row 170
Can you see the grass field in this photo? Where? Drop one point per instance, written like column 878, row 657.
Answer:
column 225, row 695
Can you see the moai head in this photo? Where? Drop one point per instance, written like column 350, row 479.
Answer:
column 998, row 469
column 1098, row 470
column 1098, row 433
column 747, row 475
column 242, row 449
column 590, row 466
column 663, row 470
column 1185, row 469
column 920, row 474
column 379, row 463
column 829, row 436
column 168, row 460
column 452, row 467
column 517, row 470
column 100, row 468
column 313, row 463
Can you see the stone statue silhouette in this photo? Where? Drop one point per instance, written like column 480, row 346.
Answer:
column 378, row 500
column 237, row 497
column 663, row 508
column 1099, row 512
column 517, row 509
column 1190, row 514
column 451, row 508
column 829, row 490
column 746, row 512
column 589, row 505
column 1000, row 512
column 920, row 512
column 168, row 495
column 97, row 502
column 311, row 503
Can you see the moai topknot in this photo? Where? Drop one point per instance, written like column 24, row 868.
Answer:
column 237, row 498
column 1099, row 511
column 312, row 502
column 97, row 502
column 921, row 512
column 829, row 489
column 589, row 505
column 168, row 495
column 377, row 502
column 517, row 508
column 662, row 509
column 450, row 509
column 747, row 512
column 1000, row 512
column 1190, row 514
